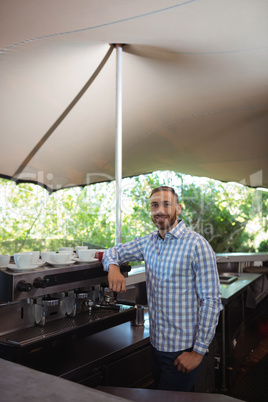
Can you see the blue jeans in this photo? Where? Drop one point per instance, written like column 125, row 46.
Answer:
column 165, row 374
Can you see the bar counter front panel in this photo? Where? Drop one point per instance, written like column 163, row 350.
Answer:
column 120, row 356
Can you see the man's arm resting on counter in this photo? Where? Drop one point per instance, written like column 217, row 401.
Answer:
column 117, row 281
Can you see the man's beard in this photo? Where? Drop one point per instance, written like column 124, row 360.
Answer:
column 167, row 223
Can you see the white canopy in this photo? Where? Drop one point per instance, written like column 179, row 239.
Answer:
column 195, row 99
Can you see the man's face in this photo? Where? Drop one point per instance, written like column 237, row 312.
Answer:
column 164, row 210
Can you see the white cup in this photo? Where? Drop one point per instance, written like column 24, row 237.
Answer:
column 45, row 255
column 58, row 258
column 23, row 260
column 86, row 255
column 4, row 260
column 35, row 256
column 77, row 248
column 70, row 254
column 66, row 249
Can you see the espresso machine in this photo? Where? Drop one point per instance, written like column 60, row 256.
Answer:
column 49, row 309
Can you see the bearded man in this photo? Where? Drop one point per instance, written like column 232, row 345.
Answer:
column 183, row 291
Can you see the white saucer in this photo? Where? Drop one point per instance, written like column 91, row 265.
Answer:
column 15, row 268
column 90, row 260
column 40, row 263
column 66, row 264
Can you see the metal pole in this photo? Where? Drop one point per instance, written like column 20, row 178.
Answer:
column 118, row 145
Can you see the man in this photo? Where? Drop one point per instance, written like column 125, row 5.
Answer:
column 182, row 289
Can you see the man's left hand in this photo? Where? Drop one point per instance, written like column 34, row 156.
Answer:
column 188, row 361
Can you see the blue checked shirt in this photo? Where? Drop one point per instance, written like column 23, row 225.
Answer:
column 183, row 288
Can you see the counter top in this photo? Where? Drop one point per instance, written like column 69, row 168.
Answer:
column 151, row 395
column 241, row 257
column 228, row 292
column 22, row 384
column 136, row 275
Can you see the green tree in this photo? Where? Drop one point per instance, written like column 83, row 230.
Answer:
column 222, row 213
column 206, row 210
column 230, row 216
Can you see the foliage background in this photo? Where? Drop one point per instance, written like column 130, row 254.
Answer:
column 232, row 217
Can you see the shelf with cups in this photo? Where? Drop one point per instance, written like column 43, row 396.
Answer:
column 64, row 257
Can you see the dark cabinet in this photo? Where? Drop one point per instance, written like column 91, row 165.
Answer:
column 132, row 370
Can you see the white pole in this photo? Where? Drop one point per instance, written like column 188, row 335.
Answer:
column 118, row 144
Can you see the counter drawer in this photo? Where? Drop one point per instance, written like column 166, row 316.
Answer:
column 129, row 371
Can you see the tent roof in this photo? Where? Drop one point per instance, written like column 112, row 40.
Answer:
column 195, row 93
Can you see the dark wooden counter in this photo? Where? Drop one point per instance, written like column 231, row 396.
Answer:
column 150, row 395
column 101, row 354
column 233, row 290
column 80, row 359
column 232, row 323
column 22, row 384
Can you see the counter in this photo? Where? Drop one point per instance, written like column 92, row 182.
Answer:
column 90, row 360
column 228, row 292
column 232, row 290
column 232, row 317
column 98, row 359
column 241, row 257
column 21, row 384
column 232, row 320
column 150, row 395
column 243, row 260
column 237, row 262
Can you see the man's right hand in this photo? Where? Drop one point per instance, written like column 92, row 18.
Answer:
column 117, row 281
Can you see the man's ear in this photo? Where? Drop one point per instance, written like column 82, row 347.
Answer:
column 178, row 208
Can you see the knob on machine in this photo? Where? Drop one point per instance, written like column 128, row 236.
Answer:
column 23, row 286
column 40, row 283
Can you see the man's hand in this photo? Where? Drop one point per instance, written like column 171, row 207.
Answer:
column 117, row 281
column 188, row 361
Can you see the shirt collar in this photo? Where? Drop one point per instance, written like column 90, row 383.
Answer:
column 175, row 232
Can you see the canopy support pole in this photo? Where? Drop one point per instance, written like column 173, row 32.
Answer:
column 118, row 144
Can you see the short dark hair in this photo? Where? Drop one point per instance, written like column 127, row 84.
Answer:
column 165, row 188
